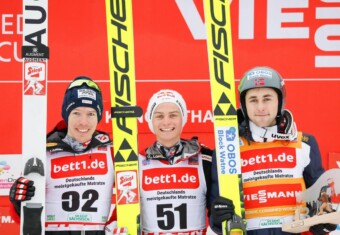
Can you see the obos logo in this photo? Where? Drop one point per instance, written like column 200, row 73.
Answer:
column 227, row 150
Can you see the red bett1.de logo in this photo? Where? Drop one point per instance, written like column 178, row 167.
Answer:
column 80, row 165
column 170, row 178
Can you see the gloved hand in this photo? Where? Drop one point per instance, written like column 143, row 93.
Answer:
column 21, row 190
column 222, row 209
column 322, row 229
column 113, row 229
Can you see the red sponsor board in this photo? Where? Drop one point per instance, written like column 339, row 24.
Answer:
column 170, row 178
column 301, row 39
column 293, row 37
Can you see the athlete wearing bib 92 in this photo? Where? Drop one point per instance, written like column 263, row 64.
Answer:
column 278, row 162
column 79, row 170
column 174, row 173
column 79, row 186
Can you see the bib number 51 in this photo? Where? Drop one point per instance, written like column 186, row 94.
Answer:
column 167, row 212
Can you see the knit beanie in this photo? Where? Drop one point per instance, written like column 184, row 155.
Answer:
column 82, row 92
column 164, row 96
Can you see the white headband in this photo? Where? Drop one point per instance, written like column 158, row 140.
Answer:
column 164, row 96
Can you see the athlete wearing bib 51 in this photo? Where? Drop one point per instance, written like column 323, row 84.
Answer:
column 278, row 162
column 174, row 172
column 79, row 169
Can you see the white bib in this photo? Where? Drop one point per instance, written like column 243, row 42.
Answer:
column 173, row 197
column 79, row 189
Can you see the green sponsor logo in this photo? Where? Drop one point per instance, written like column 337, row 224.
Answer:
column 79, row 218
column 270, row 222
column 50, row 217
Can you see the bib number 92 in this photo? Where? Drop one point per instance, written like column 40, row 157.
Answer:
column 71, row 201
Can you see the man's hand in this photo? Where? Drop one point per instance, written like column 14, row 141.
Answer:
column 21, row 190
column 222, row 209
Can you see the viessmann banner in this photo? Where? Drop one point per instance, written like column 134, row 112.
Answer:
column 299, row 38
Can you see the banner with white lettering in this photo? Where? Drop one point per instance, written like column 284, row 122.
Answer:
column 299, row 38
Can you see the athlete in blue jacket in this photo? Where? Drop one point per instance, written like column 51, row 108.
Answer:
column 278, row 161
column 79, row 171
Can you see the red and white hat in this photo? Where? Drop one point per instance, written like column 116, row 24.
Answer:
column 164, row 96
